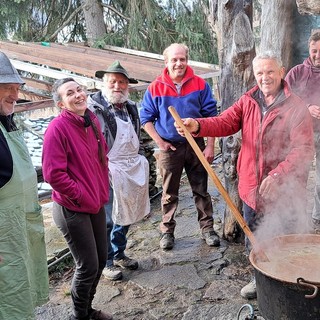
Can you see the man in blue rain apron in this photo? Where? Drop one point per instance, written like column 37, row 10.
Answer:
column 129, row 170
column 23, row 269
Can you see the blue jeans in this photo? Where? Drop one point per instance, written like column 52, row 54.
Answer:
column 250, row 217
column 116, row 234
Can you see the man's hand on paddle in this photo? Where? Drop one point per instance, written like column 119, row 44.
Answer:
column 190, row 124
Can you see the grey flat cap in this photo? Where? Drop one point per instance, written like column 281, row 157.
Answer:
column 116, row 67
column 8, row 74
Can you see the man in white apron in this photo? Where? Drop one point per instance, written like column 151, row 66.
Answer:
column 129, row 170
column 23, row 270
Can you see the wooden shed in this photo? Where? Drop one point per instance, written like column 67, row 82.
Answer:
column 41, row 63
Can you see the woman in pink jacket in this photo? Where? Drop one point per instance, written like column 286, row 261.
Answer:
column 76, row 167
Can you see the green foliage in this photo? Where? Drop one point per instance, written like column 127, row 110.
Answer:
column 146, row 25
column 36, row 20
column 150, row 25
column 193, row 29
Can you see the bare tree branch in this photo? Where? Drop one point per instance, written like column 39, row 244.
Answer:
column 185, row 6
column 115, row 11
column 74, row 13
column 67, row 11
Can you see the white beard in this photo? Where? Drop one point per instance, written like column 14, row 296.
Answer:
column 116, row 97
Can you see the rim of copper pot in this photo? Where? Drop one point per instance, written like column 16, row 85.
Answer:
column 266, row 246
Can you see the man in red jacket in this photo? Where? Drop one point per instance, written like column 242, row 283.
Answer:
column 304, row 80
column 276, row 151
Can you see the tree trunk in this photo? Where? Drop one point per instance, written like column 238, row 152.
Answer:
column 230, row 149
column 302, row 28
column 276, row 28
column 95, row 26
column 232, row 21
column 309, row 7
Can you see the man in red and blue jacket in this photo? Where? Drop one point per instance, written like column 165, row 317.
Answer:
column 191, row 96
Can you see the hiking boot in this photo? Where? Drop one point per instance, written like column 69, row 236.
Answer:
column 126, row 263
column 99, row 315
column 250, row 290
column 167, row 241
column 112, row 273
column 211, row 238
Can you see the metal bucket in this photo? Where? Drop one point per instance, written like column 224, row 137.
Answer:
column 287, row 284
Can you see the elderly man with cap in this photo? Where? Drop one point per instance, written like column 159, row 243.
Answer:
column 23, row 270
column 129, row 169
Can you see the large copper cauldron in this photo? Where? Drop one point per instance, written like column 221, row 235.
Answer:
column 287, row 284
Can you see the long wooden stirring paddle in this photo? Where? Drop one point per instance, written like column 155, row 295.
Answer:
column 217, row 182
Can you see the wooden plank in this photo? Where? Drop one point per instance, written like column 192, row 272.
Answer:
column 85, row 60
column 74, row 63
column 37, row 84
column 159, row 57
column 55, row 74
column 52, row 58
column 212, row 74
column 56, row 61
column 28, row 106
column 31, row 96
column 82, row 63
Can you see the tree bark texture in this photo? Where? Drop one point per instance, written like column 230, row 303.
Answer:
column 93, row 14
column 309, row 7
column 236, row 48
column 276, row 28
column 232, row 21
column 302, row 29
column 230, row 149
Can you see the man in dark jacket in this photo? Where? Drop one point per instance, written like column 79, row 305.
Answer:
column 128, row 169
column 276, row 152
column 304, row 80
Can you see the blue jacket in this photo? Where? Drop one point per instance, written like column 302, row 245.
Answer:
column 195, row 100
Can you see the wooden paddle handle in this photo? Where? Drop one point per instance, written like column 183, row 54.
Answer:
column 213, row 176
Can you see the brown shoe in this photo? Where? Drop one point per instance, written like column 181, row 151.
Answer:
column 167, row 241
column 99, row 315
column 126, row 263
column 211, row 239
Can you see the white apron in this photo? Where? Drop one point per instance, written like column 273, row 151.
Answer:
column 129, row 176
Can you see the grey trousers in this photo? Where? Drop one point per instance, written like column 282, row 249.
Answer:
column 86, row 235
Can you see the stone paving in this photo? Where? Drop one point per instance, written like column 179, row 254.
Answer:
column 191, row 282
